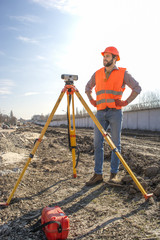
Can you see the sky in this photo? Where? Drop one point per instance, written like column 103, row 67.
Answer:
column 42, row 39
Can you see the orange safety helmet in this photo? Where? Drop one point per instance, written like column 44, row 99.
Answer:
column 112, row 50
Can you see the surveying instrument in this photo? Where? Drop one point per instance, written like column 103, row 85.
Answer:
column 70, row 90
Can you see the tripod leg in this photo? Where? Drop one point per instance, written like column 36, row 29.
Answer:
column 73, row 140
column 72, row 134
column 113, row 147
column 34, row 149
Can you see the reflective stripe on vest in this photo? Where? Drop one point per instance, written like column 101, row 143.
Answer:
column 104, row 101
column 107, row 90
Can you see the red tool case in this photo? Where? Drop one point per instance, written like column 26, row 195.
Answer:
column 56, row 223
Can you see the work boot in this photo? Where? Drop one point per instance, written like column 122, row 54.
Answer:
column 97, row 178
column 114, row 178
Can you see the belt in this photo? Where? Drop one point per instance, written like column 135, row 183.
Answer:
column 107, row 108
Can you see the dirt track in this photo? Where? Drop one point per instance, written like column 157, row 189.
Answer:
column 99, row 212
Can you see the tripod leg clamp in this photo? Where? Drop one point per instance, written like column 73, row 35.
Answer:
column 115, row 150
column 106, row 134
column 37, row 139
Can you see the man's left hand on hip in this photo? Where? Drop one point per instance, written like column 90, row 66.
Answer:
column 120, row 103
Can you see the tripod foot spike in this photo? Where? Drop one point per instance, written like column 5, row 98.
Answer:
column 147, row 196
column 4, row 204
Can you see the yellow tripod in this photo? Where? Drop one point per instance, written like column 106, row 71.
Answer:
column 70, row 89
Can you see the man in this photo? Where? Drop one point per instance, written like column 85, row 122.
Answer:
column 109, row 83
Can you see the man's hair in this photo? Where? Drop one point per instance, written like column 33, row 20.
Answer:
column 114, row 56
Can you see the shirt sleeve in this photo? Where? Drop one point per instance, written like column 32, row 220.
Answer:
column 91, row 84
column 131, row 82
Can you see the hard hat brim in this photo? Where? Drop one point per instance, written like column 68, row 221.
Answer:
column 118, row 57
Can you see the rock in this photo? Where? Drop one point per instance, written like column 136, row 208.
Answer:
column 46, row 169
column 132, row 190
column 151, row 171
column 126, row 179
column 157, row 191
column 156, row 179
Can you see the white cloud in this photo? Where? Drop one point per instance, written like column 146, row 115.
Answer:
column 71, row 6
column 26, row 19
column 27, row 40
column 31, row 93
column 41, row 58
column 6, row 86
column 50, row 92
column 13, row 29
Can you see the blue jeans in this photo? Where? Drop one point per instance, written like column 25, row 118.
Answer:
column 112, row 117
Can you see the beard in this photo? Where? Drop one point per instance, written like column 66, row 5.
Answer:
column 108, row 64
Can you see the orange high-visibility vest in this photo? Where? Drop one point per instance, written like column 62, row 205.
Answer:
column 107, row 90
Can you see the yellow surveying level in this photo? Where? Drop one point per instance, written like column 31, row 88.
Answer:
column 70, row 89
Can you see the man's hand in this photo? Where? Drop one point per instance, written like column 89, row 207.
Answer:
column 93, row 102
column 120, row 103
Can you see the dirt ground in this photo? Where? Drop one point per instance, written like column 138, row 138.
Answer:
column 103, row 211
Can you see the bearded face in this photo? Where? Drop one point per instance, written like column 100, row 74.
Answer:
column 108, row 60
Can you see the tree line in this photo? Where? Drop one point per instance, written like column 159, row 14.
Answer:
column 9, row 120
column 147, row 100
